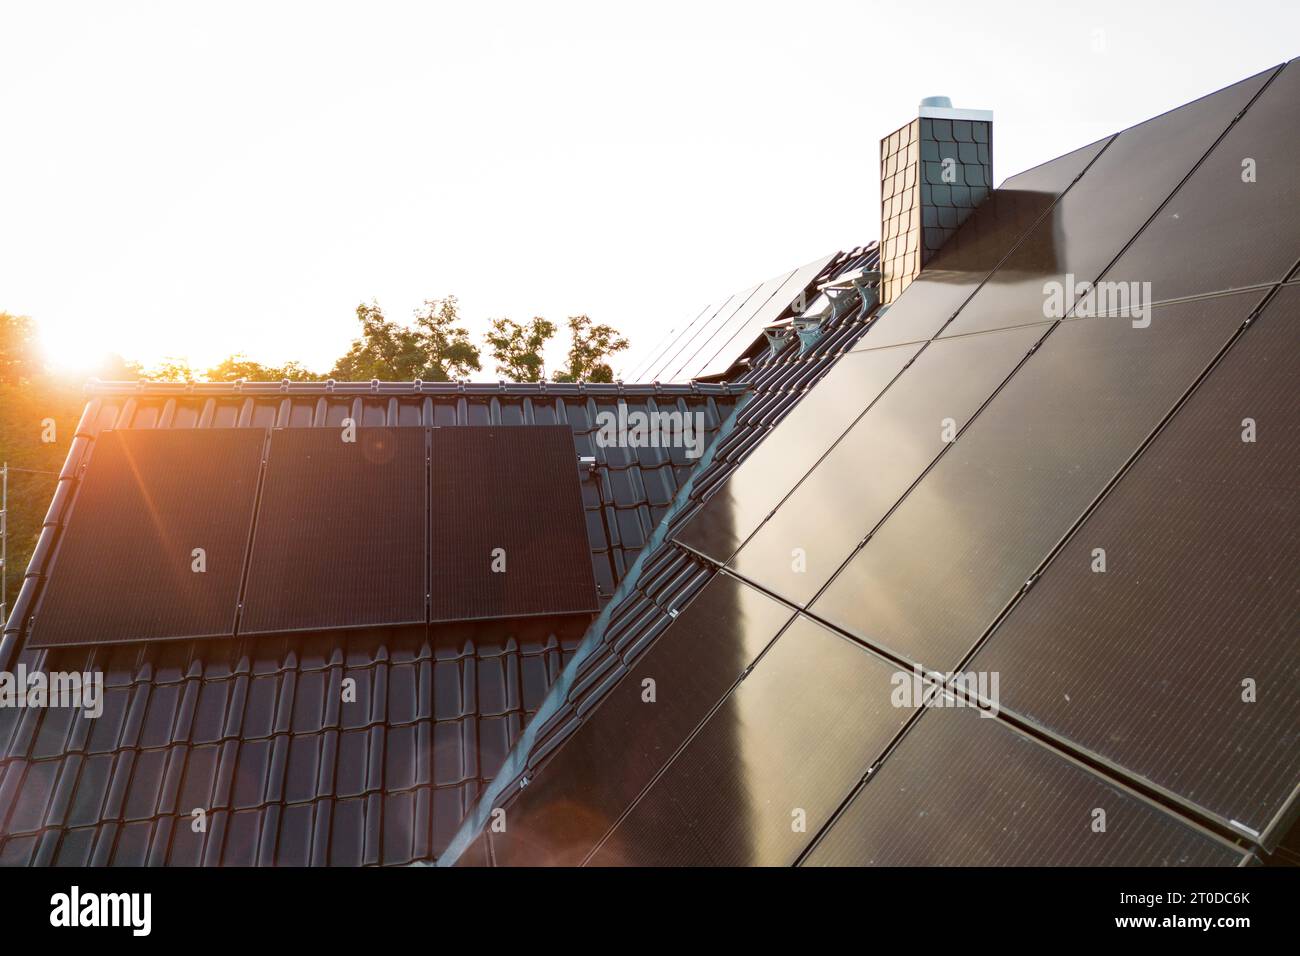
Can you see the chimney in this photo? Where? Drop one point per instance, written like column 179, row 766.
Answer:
column 933, row 172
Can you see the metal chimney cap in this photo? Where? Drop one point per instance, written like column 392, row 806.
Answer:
column 942, row 102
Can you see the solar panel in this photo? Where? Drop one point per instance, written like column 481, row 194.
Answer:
column 340, row 537
column 509, row 534
column 975, row 249
column 772, row 764
column 1103, row 211
column 690, row 344
column 964, row 790
column 730, row 344
column 834, row 508
column 669, row 345
column 721, row 334
column 966, row 538
column 574, row 800
column 1233, row 223
column 155, row 543
column 1201, row 540
column 785, row 455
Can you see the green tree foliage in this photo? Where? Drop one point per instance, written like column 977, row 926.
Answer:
column 451, row 354
column 241, row 366
column 435, row 349
column 589, row 345
column 19, row 357
column 34, row 407
column 518, row 348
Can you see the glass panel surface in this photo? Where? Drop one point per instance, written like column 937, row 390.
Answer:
column 798, row 549
column 675, row 367
column 965, row 790
column 769, row 768
column 1101, row 212
column 515, row 489
column 340, row 537
column 124, row 568
column 673, row 353
column 790, row 450
column 576, row 797
column 723, row 333
column 1143, row 663
column 742, row 336
column 965, row 539
column 1234, row 223
column 976, row 248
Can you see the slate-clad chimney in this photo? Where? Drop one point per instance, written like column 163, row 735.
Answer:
column 933, row 172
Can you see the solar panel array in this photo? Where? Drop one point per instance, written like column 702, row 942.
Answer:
column 185, row 533
column 1094, row 511
column 710, row 343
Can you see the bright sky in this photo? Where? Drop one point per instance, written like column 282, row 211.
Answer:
column 199, row 179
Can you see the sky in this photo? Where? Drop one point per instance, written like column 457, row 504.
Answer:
column 193, row 180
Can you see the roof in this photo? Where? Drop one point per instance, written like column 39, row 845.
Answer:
column 250, row 728
column 1002, row 587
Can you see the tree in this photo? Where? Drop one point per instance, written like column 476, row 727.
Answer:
column 436, row 350
column 241, row 366
column 518, row 348
column 450, row 355
column 589, row 344
column 171, row 370
column 20, row 358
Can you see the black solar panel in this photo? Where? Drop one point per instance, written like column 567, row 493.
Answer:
column 976, row 527
column 340, row 538
column 965, row 790
column 968, row 257
column 1144, row 663
column 786, row 455
column 1234, row 222
column 834, row 508
column 509, row 534
column 127, row 568
column 1103, row 211
column 770, row 767
column 578, row 797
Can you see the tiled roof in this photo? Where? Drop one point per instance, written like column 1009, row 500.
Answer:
column 252, row 729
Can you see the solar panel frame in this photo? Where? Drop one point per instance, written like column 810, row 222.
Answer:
column 104, row 534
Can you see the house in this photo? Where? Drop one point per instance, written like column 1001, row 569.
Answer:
column 988, row 557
